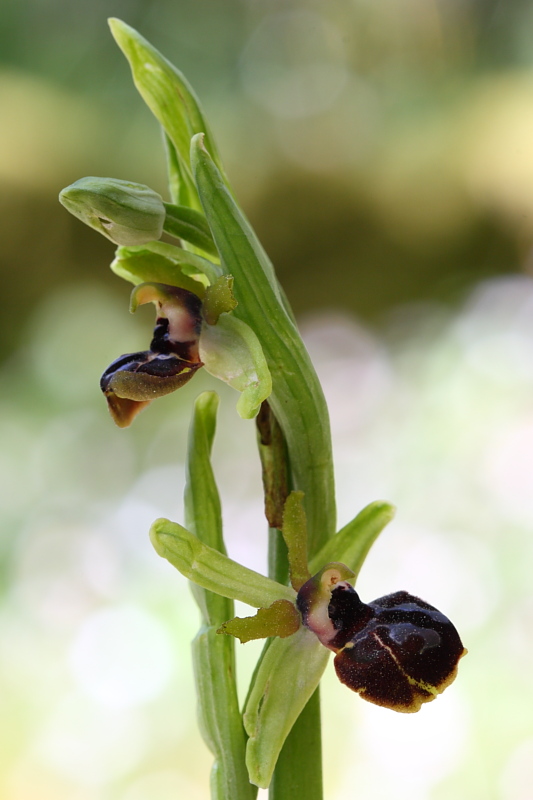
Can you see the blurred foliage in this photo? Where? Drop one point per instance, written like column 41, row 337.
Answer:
column 385, row 145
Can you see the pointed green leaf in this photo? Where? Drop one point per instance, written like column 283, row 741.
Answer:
column 287, row 677
column 280, row 619
column 181, row 191
column 203, row 514
column 213, row 570
column 168, row 95
column 214, row 656
column 219, row 715
column 231, row 351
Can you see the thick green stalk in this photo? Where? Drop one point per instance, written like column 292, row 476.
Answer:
column 303, row 746
column 298, row 769
column 297, row 399
column 298, row 404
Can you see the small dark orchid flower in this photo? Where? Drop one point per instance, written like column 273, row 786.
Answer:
column 134, row 380
column 398, row 651
column 191, row 331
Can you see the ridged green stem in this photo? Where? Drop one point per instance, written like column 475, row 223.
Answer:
column 297, row 399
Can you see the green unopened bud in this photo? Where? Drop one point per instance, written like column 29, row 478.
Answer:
column 127, row 213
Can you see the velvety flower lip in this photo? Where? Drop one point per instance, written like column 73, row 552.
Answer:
column 398, row 651
column 133, row 380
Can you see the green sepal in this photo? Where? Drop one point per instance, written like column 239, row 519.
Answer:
column 280, row 619
column 168, row 95
column 231, row 351
column 159, row 262
column 212, row 570
column 124, row 212
column 352, row 543
column 190, row 225
column 219, row 299
column 295, row 535
column 289, row 673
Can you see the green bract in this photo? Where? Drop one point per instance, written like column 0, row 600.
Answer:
column 288, row 675
column 213, row 655
column 170, row 98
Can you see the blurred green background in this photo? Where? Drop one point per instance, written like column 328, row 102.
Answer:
column 384, row 153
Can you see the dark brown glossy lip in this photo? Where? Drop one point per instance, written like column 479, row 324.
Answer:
column 133, row 380
column 398, row 651
column 404, row 654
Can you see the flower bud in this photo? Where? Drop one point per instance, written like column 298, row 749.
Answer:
column 127, row 213
column 398, row 651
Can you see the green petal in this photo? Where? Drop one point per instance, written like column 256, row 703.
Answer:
column 280, row 619
column 231, row 351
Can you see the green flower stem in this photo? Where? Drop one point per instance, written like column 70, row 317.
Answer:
column 298, row 404
column 212, row 570
column 298, row 757
column 303, row 741
column 297, row 399
column 213, row 655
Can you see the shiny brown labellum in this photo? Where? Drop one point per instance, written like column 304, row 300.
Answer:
column 134, row 380
column 398, row 651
